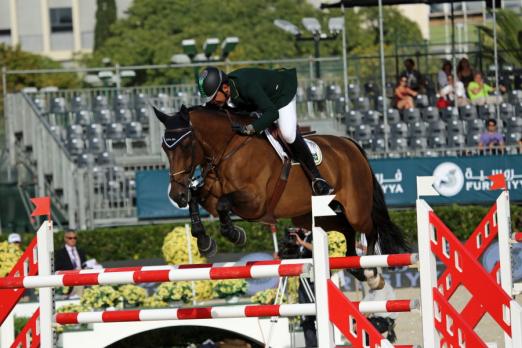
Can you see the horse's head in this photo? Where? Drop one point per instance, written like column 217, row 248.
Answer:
column 182, row 150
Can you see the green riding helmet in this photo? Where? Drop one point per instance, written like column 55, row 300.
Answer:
column 209, row 82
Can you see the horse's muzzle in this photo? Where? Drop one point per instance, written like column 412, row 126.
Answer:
column 181, row 198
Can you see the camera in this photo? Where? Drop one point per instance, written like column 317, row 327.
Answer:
column 288, row 247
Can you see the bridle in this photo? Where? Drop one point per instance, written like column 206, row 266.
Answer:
column 212, row 162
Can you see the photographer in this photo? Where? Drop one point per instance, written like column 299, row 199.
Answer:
column 303, row 239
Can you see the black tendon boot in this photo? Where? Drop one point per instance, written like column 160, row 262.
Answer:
column 303, row 155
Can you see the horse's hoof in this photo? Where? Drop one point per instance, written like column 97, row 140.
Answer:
column 235, row 234
column 207, row 246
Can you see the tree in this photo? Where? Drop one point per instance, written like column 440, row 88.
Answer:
column 153, row 30
column 105, row 17
column 509, row 37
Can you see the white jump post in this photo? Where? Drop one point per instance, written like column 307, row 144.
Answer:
column 321, row 271
column 45, row 268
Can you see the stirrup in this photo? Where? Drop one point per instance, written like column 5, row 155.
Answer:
column 315, row 181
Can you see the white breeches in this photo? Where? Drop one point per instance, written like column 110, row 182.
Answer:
column 287, row 122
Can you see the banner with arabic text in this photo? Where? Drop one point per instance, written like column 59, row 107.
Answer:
column 461, row 180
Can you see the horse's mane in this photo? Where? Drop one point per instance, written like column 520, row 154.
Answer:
column 236, row 114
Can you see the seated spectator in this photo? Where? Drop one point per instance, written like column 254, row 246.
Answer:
column 464, row 72
column 413, row 77
column 404, row 94
column 491, row 139
column 454, row 92
column 442, row 76
column 14, row 239
column 479, row 91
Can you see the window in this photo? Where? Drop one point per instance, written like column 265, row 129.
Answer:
column 61, row 19
column 5, row 32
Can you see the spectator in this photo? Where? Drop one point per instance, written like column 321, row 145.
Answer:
column 454, row 91
column 381, row 291
column 14, row 238
column 413, row 77
column 464, row 72
column 69, row 257
column 442, row 76
column 307, row 322
column 479, row 91
column 404, row 94
column 491, row 139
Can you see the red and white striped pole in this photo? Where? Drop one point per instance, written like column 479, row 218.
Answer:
column 284, row 310
column 155, row 276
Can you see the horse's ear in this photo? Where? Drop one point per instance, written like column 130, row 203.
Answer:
column 184, row 112
column 163, row 117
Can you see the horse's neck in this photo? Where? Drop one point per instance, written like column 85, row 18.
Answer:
column 212, row 130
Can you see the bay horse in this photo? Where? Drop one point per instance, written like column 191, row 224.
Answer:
column 240, row 173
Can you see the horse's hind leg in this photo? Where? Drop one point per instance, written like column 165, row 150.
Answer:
column 206, row 245
column 235, row 234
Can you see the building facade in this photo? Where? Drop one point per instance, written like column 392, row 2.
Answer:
column 58, row 29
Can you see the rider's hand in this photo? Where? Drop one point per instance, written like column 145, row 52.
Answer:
column 298, row 239
column 243, row 129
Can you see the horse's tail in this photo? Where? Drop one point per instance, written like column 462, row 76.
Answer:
column 389, row 236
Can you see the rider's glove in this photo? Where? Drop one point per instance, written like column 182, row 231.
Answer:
column 243, row 129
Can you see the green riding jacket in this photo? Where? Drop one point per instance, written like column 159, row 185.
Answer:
column 263, row 90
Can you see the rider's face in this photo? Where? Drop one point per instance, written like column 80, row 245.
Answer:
column 222, row 95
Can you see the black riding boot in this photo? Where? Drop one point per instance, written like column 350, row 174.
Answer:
column 303, row 155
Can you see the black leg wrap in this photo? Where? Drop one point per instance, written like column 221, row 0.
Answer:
column 358, row 274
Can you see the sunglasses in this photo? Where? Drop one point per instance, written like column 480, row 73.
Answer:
column 71, row 237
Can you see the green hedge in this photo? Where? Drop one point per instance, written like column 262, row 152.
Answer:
column 145, row 241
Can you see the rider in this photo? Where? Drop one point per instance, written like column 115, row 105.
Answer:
column 272, row 93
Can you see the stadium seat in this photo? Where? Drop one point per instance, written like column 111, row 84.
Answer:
column 366, row 144
column 83, row 117
column 399, row 130
column 372, row 117
column 78, row 103
column 354, row 91
column 86, row 160
column 430, row 114
column 438, row 141
column 95, row 145
column 75, row 146
column 333, row 92
column 300, row 96
column 74, row 131
column 515, row 97
column 362, row 104
column 457, row 127
column 393, row 116
column 419, row 129
column 437, row 128
column 472, row 138
column 363, row 132
column 449, row 113
column 486, row 111
column 457, row 140
column 59, row 132
column 380, row 103
column 58, row 105
column 378, row 145
column 513, row 138
column 422, row 101
column 140, row 101
column 354, row 118
column 475, row 125
column 506, row 110
column 411, row 115
column 100, row 102
column 382, row 129
column 514, row 124
column 40, row 104
column 104, row 158
column 420, row 143
column 399, row 143
column 468, row 112
column 142, row 115
column 95, row 130
column 115, row 131
column 124, row 115
column 339, row 106
column 103, row 116
column 122, row 101
column 371, row 89
column 134, row 130
column 315, row 93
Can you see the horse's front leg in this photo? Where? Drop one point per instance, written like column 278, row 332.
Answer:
column 206, row 245
column 235, row 234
